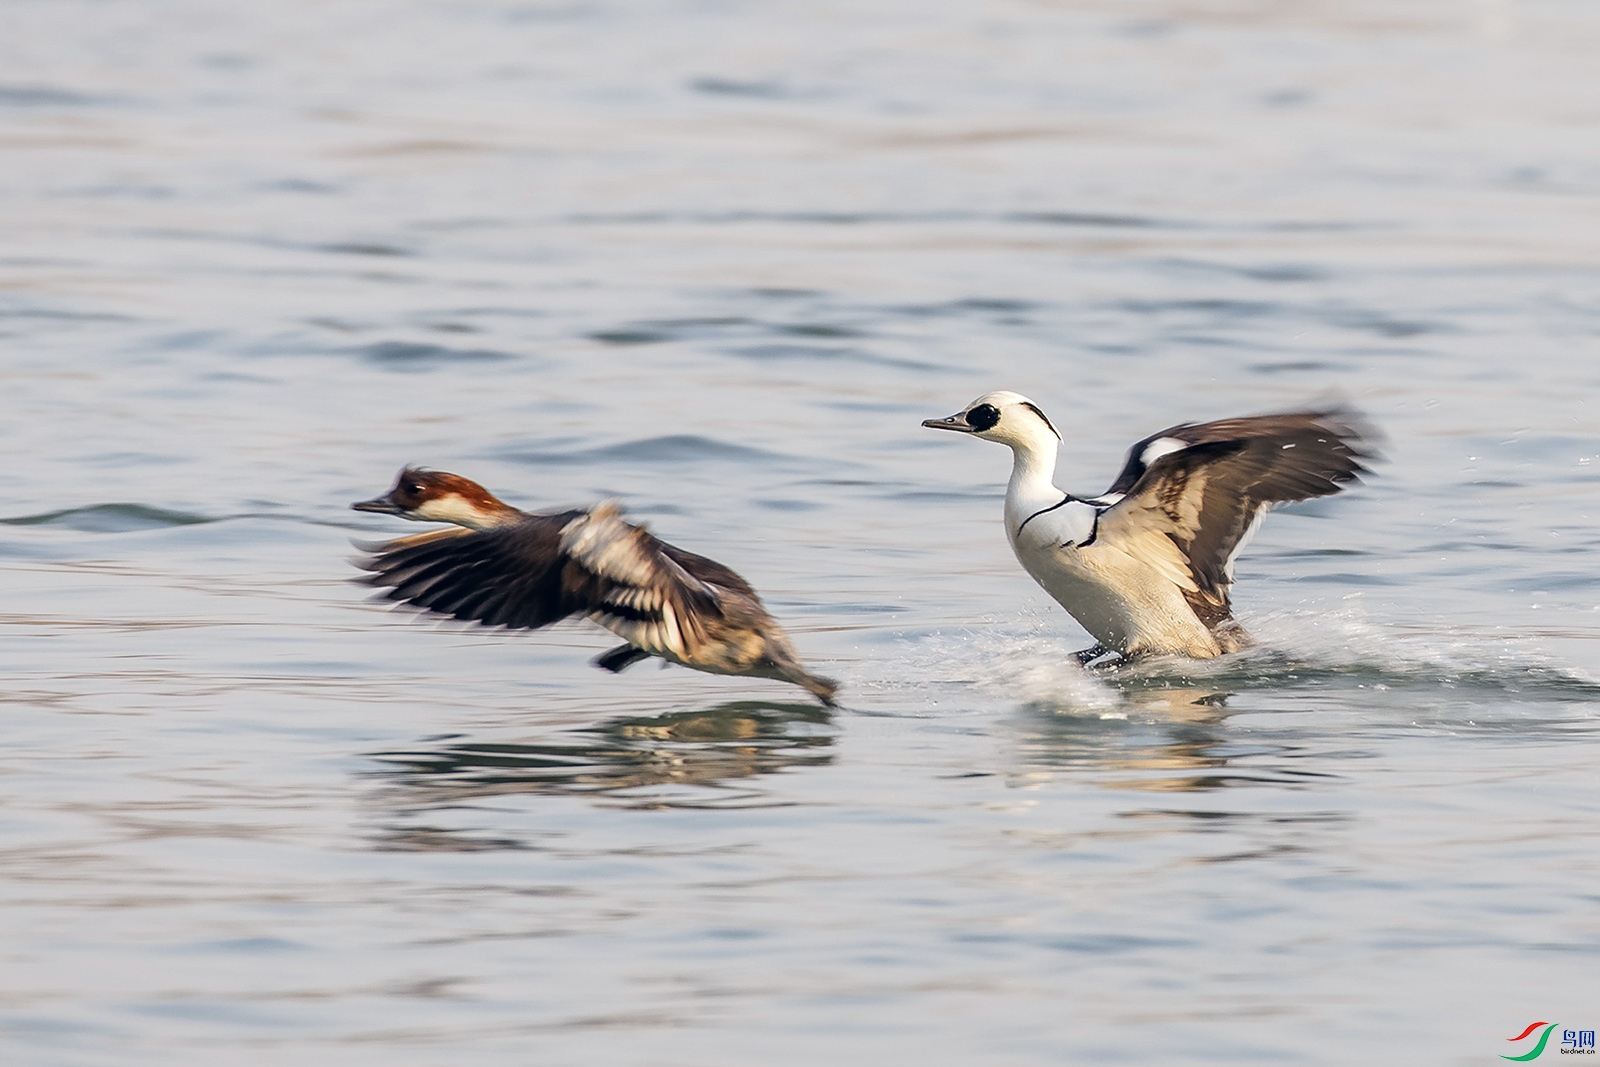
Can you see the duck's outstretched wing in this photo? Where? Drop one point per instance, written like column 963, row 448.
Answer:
column 1202, row 489
column 516, row 576
column 548, row 567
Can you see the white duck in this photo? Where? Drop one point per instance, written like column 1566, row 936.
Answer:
column 1147, row 565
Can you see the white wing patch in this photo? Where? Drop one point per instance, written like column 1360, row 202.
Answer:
column 608, row 546
column 663, row 638
column 1161, row 446
column 614, row 549
column 643, row 600
column 1244, row 539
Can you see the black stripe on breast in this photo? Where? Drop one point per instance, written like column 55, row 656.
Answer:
column 1064, row 500
column 1094, row 531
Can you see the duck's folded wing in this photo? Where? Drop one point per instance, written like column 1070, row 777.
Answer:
column 709, row 571
column 642, row 592
column 517, row 576
column 1205, row 487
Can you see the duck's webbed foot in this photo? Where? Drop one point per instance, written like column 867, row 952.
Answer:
column 1091, row 655
column 1231, row 637
column 620, row 658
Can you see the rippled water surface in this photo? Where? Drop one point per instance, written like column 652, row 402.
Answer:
column 719, row 259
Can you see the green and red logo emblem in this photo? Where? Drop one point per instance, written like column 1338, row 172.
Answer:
column 1573, row 1042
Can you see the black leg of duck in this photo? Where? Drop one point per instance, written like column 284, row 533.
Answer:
column 620, row 658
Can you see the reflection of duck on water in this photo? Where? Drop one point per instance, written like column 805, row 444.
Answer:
column 702, row 750
column 1183, row 741
column 1201, row 706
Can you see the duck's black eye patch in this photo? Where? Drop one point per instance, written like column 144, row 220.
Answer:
column 983, row 417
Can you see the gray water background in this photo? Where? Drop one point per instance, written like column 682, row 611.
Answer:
column 719, row 259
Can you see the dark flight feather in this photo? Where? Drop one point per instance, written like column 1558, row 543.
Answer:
column 1208, row 495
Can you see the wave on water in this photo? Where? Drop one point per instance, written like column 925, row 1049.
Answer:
column 775, row 352
column 880, row 218
column 110, row 518
column 672, row 448
column 1297, row 650
column 411, row 355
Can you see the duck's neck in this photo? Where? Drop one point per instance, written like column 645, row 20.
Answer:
column 480, row 513
column 495, row 513
column 1032, row 487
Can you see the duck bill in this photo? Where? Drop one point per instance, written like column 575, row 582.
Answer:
column 381, row 504
column 957, row 422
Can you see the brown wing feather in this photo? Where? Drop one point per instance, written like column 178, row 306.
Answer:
column 708, row 570
column 1208, row 496
column 1343, row 423
column 660, row 599
column 516, row 576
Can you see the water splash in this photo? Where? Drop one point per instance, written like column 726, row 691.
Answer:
column 1033, row 667
column 1345, row 648
column 1027, row 662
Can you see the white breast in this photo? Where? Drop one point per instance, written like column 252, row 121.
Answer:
column 1125, row 598
column 1047, row 550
